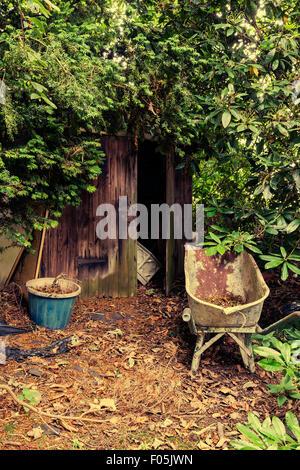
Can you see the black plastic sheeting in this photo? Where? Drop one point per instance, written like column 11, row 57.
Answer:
column 57, row 347
column 6, row 329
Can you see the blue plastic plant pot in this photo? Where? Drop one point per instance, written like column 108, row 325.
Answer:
column 51, row 310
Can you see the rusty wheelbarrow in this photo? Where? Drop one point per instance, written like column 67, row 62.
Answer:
column 209, row 278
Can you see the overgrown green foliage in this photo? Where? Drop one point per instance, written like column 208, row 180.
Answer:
column 281, row 356
column 269, row 435
column 279, row 350
column 49, row 151
column 217, row 79
column 247, row 166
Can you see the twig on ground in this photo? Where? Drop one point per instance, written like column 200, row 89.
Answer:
column 44, row 413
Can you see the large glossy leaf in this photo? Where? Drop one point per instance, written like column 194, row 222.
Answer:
column 226, row 118
column 270, row 364
column 249, row 434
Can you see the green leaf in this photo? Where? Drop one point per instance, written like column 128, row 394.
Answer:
column 221, row 249
column 41, row 8
column 37, row 86
column 281, row 223
column 236, row 114
column 258, row 190
column 238, row 248
column 293, row 425
column 253, row 129
column 273, row 264
column 35, row 96
column 293, row 268
column 292, row 226
column 270, row 258
column 270, row 365
column 220, row 229
column 253, row 248
column 291, row 420
column 249, row 434
column 211, row 251
column 281, row 399
column 245, row 445
column 272, row 231
column 283, row 251
column 254, row 421
column 214, row 237
column 266, row 352
column 46, row 99
column 267, row 193
column 283, row 130
column 274, row 388
column 226, row 118
column 279, row 428
column 39, row 24
column 284, row 272
column 270, row 56
column 296, row 177
column 285, row 351
column 294, row 257
column 52, row 5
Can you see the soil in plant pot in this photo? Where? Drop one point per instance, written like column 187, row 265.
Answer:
column 225, row 300
column 55, row 287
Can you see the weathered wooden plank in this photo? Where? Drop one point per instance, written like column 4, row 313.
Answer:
column 183, row 195
column 9, row 258
column 26, row 264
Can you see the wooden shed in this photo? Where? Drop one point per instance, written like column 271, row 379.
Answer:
column 109, row 267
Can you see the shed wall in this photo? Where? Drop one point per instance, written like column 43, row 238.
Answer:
column 104, row 267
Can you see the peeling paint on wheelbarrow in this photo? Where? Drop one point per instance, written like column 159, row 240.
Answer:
column 209, row 276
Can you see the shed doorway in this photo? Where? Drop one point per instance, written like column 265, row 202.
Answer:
column 151, row 188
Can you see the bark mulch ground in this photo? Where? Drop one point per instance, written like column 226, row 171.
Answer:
column 125, row 382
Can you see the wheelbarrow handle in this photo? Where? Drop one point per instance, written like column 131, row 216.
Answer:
column 187, row 317
column 291, row 318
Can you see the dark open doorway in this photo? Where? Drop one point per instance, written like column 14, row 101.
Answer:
column 152, row 190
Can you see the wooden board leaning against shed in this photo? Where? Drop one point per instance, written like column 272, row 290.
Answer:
column 27, row 265
column 9, row 259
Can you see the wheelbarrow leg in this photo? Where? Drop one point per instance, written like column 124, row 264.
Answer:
column 197, row 352
column 248, row 344
column 244, row 342
column 200, row 348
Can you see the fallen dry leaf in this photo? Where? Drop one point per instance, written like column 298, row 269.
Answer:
column 167, row 422
column 202, row 445
column 249, row 385
column 107, row 403
column 228, row 391
column 114, row 420
column 36, row 433
column 221, row 442
column 157, row 443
